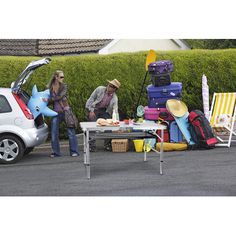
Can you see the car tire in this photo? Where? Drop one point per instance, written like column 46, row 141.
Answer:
column 28, row 150
column 11, row 149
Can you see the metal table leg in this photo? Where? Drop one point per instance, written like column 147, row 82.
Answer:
column 87, row 155
column 87, row 166
column 85, row 146
column 145, row 155
column 161, row 151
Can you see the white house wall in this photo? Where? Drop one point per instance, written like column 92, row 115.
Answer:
column 134, row 45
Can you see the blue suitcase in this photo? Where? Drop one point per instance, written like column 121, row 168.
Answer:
column 175, row 133
column 157, row 96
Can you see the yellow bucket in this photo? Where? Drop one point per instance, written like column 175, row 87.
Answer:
column 138, row 144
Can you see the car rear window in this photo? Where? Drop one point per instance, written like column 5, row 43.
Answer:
column 4, row 105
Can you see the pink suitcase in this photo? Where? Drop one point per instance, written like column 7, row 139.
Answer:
column 156, row 113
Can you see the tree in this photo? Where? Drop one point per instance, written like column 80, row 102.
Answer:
column 211, row 43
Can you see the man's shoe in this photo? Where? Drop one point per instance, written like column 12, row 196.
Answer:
column 108, row 148
column 92, row 149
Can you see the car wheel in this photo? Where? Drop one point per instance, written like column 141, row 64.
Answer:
column 11, row 149
column 28, row 150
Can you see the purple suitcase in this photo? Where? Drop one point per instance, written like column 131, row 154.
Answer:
column 157, row 96
column 156, row 113
column 160, row 67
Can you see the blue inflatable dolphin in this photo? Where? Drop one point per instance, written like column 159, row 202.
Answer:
column 37, row 105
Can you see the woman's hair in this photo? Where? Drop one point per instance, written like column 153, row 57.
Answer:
column 56, row 73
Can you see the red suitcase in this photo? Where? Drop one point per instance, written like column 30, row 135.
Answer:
column 156, row 113
column 166, row 133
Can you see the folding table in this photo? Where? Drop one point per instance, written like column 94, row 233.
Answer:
column 146, row 129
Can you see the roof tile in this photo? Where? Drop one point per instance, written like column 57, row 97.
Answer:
column 43, row 47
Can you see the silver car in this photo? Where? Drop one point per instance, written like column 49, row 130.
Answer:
column 19, row 131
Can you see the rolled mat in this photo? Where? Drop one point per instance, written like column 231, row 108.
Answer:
column 168, row 147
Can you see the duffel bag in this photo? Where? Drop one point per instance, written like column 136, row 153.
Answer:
column 160, row 80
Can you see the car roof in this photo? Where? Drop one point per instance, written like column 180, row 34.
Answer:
column 5, row 90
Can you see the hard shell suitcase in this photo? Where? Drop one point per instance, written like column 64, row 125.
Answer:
column 160, row 67
column 156, row 113
column 160, row 80
column 175, row 133
column 157, row 96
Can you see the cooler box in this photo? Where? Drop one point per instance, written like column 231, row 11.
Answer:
column 156, row 113
column 157, row 96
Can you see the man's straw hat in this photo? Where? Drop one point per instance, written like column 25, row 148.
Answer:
column 176, row 107
column 114, row 82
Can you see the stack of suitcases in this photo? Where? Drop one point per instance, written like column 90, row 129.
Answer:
column 159, row 92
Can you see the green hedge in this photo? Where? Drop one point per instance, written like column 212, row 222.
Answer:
column 84, row 73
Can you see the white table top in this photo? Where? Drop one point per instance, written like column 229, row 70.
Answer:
column 146, row 125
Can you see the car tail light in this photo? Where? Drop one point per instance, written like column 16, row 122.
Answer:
column 23, row 107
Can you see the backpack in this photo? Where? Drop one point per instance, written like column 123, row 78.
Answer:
column 201, row 131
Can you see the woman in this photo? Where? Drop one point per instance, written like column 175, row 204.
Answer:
column 58, row 98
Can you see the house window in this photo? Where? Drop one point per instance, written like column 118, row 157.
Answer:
column 4, row 105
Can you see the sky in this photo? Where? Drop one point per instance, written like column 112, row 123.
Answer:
column 117, row 19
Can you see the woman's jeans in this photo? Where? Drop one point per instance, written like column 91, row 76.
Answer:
column 73, row 141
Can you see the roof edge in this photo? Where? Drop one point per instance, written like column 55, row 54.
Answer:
column 181, row 43
column 105, row 50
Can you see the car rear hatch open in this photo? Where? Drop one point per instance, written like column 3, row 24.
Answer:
column 27, row 72
column 21, row 96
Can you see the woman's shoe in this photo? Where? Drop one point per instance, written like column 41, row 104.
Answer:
column 74, row 155
column 54, row 155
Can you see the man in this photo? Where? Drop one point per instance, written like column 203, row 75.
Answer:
column 101, row 104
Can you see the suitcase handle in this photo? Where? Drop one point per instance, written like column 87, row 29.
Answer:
column 165, row 92
column 163, row 115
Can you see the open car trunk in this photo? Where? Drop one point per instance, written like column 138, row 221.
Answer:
column 24, row 96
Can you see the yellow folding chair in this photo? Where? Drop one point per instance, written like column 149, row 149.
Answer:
column 222, row 117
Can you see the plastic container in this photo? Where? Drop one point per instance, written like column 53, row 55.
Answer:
column 149, row 143
column 138, row 145
column 114, row 115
